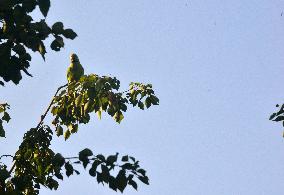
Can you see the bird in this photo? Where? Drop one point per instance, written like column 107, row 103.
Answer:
column 75, row 71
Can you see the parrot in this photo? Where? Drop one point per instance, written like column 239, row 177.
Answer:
column 75, row 71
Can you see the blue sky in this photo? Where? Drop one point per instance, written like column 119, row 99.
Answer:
column 217, row 67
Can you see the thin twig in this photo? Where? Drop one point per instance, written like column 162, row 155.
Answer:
column 6, row 155
column 49, row 106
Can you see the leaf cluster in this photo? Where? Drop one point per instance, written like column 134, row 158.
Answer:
column 19, row 33
column 37, row 165
column 95, row 94
column 4, row 116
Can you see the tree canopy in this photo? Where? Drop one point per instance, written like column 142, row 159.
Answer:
column 35, row 164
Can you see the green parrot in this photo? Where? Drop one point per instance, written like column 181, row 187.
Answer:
column 75, row 71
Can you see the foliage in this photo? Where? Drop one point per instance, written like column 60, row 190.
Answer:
column 35, row 164
column 5, row 117
column 278, row 116
column 20, row 33
column 97, row 94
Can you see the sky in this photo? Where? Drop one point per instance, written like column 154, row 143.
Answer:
column 217, row 68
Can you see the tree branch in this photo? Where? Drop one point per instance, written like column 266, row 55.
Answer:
column 49, row 106
column 42, row 118
column 6, row 155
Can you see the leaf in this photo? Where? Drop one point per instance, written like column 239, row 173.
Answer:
column 41, row 49
column 133, row 184
column 92, row 172
column 112, row 183
column 148, row 102
column 57, row 28
column 272, row 116
column 69, row 34
column 6, row 117
column 124, row 158
column 2, row 131
column 55, row 45
column 59, row 130
column 127, row 166
column 105, row 173
column 44, row 6
column 112, row 158
column 144, row 179
column 132, row 158
column 69, row 169
column 99, row 177
column 88, row 106
column 58, row 160
column 118, row 116
column 101, row 157
column 73, row 128
column 59, row 176
column 141, row 105
column 121, row 180
column 99, row 113
column 154, row 100
column 4, row 174
column 142, row 171
column 279, row 118
column 86, row 152
column 78, row 100
column 67, row 134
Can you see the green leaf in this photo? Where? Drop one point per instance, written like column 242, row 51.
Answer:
column 128, row 166
column 144, row 179
column 279, row 118
column 55, row 45
column 67, row 134
column 69, row 169
column 105, row 173
column 2, row 131
column 59, row 130
column 133, row 184
column 154, row 100
column 78, row 100
column 83, row 156
column 118, row 116
column 101, row 157
column 73, row 128
column 58, row 160
column 4, row 174
column 111, row 159
column 142, row 171
column 69, row 34
column 121, row 180
column 57, row 28
column 141, row 105
column 112, row 183
column 44, row 6
column 148, row 102
column 99, row 177
column 99, row 113
column 59, row 176
column 88, row 107
column 6, row 117
column 86, row 152
column 272, row 116
column 124, row 158
column 132, row 158
column 41, row 49
column 92, row 172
